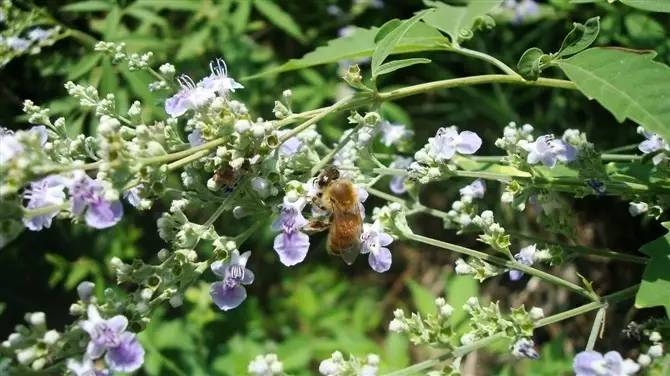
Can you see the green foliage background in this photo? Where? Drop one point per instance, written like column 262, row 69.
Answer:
column 306, row 312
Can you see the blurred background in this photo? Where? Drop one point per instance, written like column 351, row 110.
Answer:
column 306, row 312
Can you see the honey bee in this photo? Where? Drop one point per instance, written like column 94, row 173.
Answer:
column 339, row 197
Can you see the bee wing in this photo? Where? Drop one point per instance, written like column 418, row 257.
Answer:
column 349, row 255
column 316, row 225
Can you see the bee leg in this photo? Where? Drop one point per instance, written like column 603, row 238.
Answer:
column 316, row 225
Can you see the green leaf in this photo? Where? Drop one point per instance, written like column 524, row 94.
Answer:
column 183, row 5
column 88, row 6
column 396, row 350
column 279, row 18
column 626, row 82
column 458, row 289
column 650, row 5
column 386, row 45
column 655, row 286
column 458, row 22
column 423, row 299
column 193, row 45
column 240, row 18
column 360, row 44
column 392, row 66
column 83, row 66
column 529, row 64
column 386, row 28
column 580, row 37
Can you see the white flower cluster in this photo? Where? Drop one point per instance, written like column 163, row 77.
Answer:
column 654, row 351
column 32, row 344
column 494, row 234
column 463, row 209
column 336, row 365
column 431, row 329
column 266, row 365
column 513, row 135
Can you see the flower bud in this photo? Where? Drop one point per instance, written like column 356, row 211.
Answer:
column 51, row 337
column 644, row 360
column 655, row 336
column 26, row 356
column 536, row 313
column 655, row 351
column 242, row 126
column 176, row 301
column 85, row 290
column 76, row 309
column 37, row 318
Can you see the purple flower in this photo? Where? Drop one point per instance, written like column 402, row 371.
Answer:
column 397, row 184
column 38, row 34
column 87, row 196
column 291, row 244
column 548, row 150
column 195, row 138
column 476, row 189
column 525, row 348
column 123, row 352
column 593, row 363
column 448, row 141
column 48, row 191
column 218, row 81
column 189, row 97
column 522, row 9
column 17, row 44
column 652, row 144
column 10, row 146
column 290, row 147
column 133, row 195
column 230, row 293
column 526, row 256
column 374, row 241
column 85, row 368
column 393, row 133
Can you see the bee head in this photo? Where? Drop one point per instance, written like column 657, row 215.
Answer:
column 327, row 176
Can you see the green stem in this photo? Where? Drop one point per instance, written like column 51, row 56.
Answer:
column 622, row 148
column 326, row 159
column 464, row 350
column 584, row 251
column 486, row 57
column 319, row 115
column 504, row 263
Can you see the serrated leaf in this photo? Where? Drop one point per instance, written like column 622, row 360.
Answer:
column 650, row 5
column 88, row 6
column 529, row 64
column 457, row 21
column 386, row 45
column 279, row 18
column 580, row 37
column 392, row 66
column 655, row 285
column 360, row 44
column 626, row 82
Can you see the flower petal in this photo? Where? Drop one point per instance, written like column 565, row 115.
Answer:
column 380, row 261
column 104, row 214
column 469, row 143
column 128, row 356
column 584, row 363
column 118, row 323
column 291, row 247
column 225, row 298
column 219, row 268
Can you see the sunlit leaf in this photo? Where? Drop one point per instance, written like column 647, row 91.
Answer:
column 386, row 45
column 630, row 84
column 393, row 66
column 423, row 299
column 360, row 44
column 580, row 37
column 650, row 5
column 458, row 21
